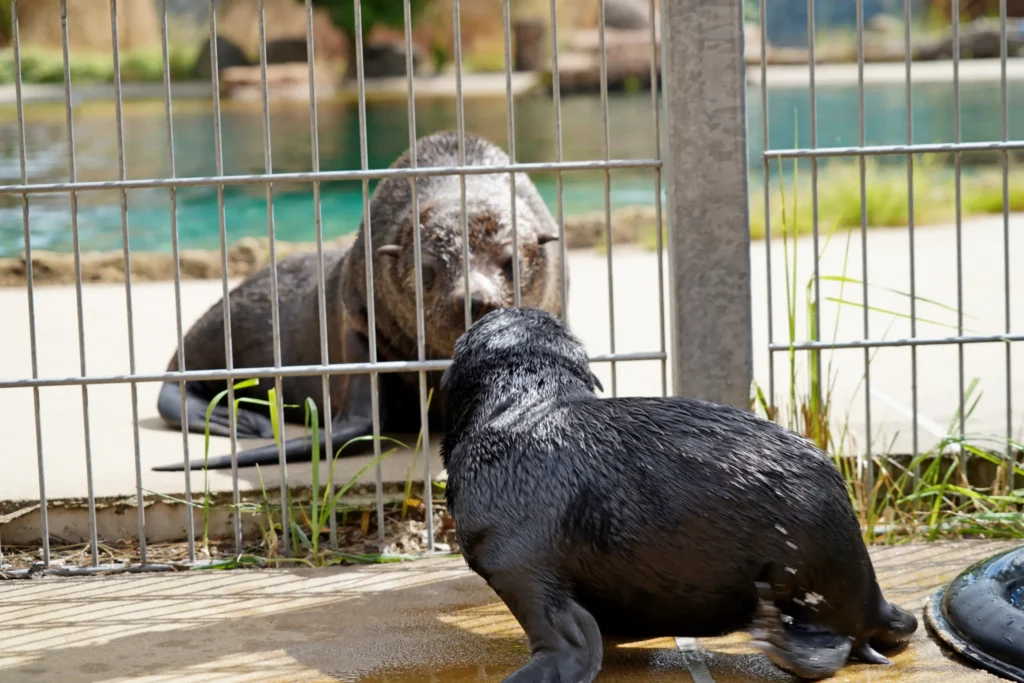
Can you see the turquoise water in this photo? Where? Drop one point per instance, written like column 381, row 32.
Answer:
column 630, row 121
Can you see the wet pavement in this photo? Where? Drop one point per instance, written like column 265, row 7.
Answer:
column 426, row 621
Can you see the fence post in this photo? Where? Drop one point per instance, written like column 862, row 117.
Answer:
column 705, row 156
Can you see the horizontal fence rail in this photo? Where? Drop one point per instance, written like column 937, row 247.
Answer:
column 285, row 371
column 326, row 176
column 888, row 150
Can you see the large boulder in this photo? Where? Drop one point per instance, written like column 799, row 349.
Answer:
column 387, row 59
column 979, row 39
column 287, row 50
column 228, row 55
column 627, row 14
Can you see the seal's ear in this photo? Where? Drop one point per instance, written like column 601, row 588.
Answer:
column 545, row 237
column 392, row 250
column 597, row 382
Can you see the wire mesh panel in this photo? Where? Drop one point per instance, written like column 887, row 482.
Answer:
column 665, row 29
column 894, row 424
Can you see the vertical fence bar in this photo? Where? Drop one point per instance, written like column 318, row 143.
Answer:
column 816, row 321
column 275, row 307
column 321, row 288
column 173, row 196
column 556, row 87
column 44, row 519
column 959, row 236
column 371, row 310
column 122, row 175
column 766, row 169
column 867, row 470
column 506, row 25
column 601, row 32
column 657, row 198
column 908, row 61
column 1004, row 129
column 218, row 141
column 72, row 178
column 428, row 493
column 704, row 95
column 460, row 116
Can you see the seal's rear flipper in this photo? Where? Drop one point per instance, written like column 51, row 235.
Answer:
column 248, row 424
column 295, row 450
column 804, row 651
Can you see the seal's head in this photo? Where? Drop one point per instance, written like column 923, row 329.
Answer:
column 491, row 262
column 512, row 352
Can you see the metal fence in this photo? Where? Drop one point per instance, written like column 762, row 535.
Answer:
column 869, row 341
column 701, row 68
column 698, row 112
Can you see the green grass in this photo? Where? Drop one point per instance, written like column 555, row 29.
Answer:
column 40, row 66
column 886, row 198
column 921, row 496
column 309, row 519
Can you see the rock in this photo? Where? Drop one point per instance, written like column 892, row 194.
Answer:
column 884, row 24
column 383, row 60
column 751, row 42
column 284, row 81
column 287, row 50
column 529, row 44
column 980, row 39
column 628, row 60
column 228, row 55
column 627, row 14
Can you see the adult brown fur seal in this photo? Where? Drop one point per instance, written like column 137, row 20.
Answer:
column 638, row 517
column 489, row 211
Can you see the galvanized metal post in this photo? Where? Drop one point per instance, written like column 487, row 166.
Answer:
column 705, row 153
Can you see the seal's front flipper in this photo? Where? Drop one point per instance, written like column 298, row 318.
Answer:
column 565, row 641
column 248, row 424
column 802, row 650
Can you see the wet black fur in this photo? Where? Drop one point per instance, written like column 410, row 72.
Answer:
column 635, row 518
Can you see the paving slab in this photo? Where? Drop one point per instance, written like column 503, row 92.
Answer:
column 430, row 620
column 636, row 296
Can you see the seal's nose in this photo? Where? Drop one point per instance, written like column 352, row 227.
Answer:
column 478, row 305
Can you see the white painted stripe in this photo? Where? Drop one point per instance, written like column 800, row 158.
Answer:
column 695, row 660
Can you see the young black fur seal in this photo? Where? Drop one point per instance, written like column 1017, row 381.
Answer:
column 488, row 205
column 634, row 518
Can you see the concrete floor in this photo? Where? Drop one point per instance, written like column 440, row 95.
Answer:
column 431, row 620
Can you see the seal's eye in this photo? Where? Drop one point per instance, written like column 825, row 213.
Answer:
column 508, row 264
column 430, row 269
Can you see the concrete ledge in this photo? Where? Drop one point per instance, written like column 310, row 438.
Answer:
column 249, row 254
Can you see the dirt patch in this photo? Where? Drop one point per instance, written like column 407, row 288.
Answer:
column 249, row 254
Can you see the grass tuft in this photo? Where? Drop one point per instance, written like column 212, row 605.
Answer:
column 921, row 496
